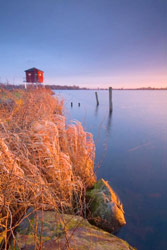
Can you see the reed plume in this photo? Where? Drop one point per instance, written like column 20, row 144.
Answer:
column 44, row 163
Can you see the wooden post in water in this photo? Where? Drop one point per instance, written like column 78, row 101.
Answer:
column 110, row 99
column 97, row 99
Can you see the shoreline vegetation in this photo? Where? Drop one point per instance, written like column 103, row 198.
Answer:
column 46, row 175
column 74, row 87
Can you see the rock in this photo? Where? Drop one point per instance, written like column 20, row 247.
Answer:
column 104, row 207
column 65, row 232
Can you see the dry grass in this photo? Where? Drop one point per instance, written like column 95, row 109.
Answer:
column 43, row 163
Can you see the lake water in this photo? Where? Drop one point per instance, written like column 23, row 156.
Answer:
column 131, row 150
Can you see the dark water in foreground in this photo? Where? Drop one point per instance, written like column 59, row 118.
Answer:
column 131, row 148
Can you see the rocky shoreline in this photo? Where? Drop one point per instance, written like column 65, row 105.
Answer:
column 104, row 211
column 48, row 188
column 80, row 233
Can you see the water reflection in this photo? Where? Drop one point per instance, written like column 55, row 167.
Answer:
column 109, row 122
column 96, row 110
column 131, row 146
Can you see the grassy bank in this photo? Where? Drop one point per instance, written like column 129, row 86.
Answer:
column 44, row 163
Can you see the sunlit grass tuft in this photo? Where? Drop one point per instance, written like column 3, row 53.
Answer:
column 44, row 164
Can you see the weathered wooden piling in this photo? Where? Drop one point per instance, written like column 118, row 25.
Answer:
column 79, row 104
column 97, row 99
column 110, row 99
column 71, row 104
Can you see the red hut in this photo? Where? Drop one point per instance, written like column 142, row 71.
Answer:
column 34, row 75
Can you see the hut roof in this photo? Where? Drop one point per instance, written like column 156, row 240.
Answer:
column 33, row 69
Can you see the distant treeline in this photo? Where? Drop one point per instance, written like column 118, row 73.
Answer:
column 143, row 88
column 22, row 86
column 11, row 86
column 150, row 88
column 74, row 87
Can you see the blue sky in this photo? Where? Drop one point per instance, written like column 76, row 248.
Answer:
column 92, row 43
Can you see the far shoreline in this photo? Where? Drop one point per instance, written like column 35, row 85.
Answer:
column 73, row 87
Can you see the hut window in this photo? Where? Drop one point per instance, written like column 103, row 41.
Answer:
column 29, row 74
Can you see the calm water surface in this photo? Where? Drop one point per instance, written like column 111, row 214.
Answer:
column 131, row 149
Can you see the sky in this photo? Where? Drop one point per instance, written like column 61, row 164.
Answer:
column 89, row 43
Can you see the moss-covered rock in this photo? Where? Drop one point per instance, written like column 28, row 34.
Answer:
column 63, row 231
column 104, row 207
